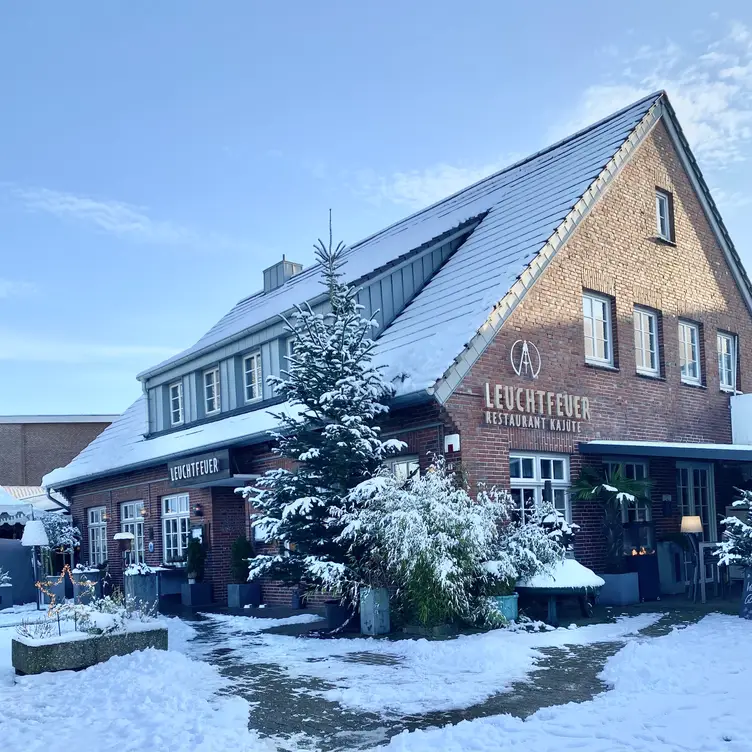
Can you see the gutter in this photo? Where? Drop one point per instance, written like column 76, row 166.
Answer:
column 55, row 501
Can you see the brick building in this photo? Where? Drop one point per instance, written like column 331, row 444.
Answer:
column 33, row 445
column 584, row 306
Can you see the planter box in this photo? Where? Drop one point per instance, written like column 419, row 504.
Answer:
column 246, row 594
column 56, row 588
column 78, row 654
column 142, row 587
column 82, row 593
column 6, row 596
column 745, row 610
column 506, row 606
column 620, row 589
column 374, row 611
column 196, row 594
column 337, row 615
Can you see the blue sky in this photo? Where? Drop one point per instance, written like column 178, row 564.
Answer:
column 155, row 157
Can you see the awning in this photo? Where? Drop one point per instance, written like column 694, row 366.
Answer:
column 675, row 449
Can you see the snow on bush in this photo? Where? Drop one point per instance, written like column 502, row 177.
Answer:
column 736, row 546
column 4, row 577
column 60, row 530
column 444, row 551
column 330, row 438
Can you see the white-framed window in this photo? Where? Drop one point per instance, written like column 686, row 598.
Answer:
column 212, row 398
column 528, row 476
column 689, row 352
column 727, row 361
column 404, row 468
column 132, row 521
column 252, row 383
column 176, row 403
column 97, row 524
column 176, row 526
column 596, row 316
column 639, row 510
column 646, row 342
column 663, row 219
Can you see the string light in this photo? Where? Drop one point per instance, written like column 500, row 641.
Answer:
column 51, row 611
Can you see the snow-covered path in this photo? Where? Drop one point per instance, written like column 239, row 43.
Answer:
column 686, row 691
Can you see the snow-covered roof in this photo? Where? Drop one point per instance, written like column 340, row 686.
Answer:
column 527, row 212
column 36, row 496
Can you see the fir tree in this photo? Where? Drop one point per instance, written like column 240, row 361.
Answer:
column 736, row 547
column 328, row 434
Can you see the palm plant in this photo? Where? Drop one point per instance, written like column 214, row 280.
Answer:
column 611, row 490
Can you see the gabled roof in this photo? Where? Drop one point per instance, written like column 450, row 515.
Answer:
column 527, row 212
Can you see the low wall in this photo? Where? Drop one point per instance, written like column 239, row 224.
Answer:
column 77, row 654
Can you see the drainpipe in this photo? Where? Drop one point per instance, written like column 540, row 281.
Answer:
column 55, row 501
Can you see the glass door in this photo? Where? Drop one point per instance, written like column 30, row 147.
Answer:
column 694, row 486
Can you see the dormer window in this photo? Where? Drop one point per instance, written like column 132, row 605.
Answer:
column 252, row 383
column 212, row 401
column 176, row 403
column 664, row 215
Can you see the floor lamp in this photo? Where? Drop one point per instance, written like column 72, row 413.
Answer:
column 35, row 535
column 691, row 526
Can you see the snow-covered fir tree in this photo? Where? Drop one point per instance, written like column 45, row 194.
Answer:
column 328, row 433
column 736, row 546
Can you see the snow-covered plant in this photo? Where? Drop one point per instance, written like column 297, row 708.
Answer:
column 4, row 577
column 35, row 628
column 556, row 526
column 736, row 547
column 61, row 532
column 140, row 568
column 328, row 434
column 611, row 491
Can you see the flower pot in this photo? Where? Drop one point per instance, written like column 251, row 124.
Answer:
column 336, row 614
column 142, row 587
column 374, row 611
column 52, row 586
column 6, row 596
column 620, row 589
column 506, row 606
column 746, row 608
column 82, row 593
column 196, row 594
column 245, row 594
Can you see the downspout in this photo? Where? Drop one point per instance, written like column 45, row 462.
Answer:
column 55, row 501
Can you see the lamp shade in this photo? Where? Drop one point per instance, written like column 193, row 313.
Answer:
column 34, row 534
column 691, row 524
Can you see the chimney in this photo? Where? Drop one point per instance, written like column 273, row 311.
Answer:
column 276, row 276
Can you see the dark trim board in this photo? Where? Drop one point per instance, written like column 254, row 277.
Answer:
column 668, row 449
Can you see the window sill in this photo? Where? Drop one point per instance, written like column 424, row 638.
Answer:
column 663, row 241
column 650, row 376
column 693, row 385
column 728, row 390
column 601, row 366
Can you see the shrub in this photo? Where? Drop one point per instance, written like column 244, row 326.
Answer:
column 240, row 555
column 195, row 560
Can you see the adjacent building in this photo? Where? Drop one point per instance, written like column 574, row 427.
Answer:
column 583, row 306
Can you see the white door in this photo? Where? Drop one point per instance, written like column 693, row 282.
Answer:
column 695, row 489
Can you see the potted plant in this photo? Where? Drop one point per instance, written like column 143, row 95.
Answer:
column 503, row 599
column 6, row 590
column 241, row 592
column 195, row 592
column 611, row 491
column 87, row 583
column 736, row 549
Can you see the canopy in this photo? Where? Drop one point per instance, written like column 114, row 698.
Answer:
column 676, row 449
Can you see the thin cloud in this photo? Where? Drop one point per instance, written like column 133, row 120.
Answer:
column 13, row 288
column 27, row 348
column 115, row 218
column 710, row 87
column 420, row 188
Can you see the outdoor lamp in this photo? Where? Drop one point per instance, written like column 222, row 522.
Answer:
column 34, row 535
column 691, row 524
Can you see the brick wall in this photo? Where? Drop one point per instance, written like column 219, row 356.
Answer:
column 614, row 252
column 28, row 451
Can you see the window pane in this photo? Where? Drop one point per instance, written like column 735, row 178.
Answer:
column 546, row 469
column 514, row 468
column 528, row 467
column 558, row 469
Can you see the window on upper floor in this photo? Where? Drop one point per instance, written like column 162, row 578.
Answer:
column 727, row 361
column 664, row 215
column 212, row 396
column 646, row 342
column 596, row 316
column 252, row 378
column 689, row 352
column 176, row 403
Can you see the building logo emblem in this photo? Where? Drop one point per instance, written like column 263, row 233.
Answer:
column 526, row 359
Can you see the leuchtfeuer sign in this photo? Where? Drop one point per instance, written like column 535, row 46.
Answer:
column 535, row 408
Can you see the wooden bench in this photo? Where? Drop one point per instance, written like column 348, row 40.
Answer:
column 585, row 596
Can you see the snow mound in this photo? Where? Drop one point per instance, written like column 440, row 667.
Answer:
column 567, row 574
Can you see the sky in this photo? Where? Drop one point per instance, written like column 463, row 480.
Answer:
column 156, row 157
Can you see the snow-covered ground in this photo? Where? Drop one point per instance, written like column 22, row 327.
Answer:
column 412, row 676
column 153, row 699
column 685, row 692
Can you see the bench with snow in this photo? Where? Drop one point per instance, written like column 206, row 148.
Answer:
column 568, row 579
